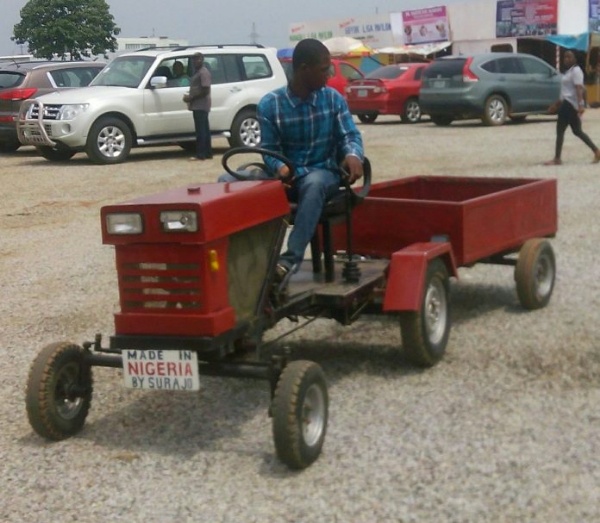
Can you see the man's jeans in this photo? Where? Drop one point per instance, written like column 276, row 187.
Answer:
column 310, row 192
column 203, row 138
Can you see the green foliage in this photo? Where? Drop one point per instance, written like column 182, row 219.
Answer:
column 66, row 28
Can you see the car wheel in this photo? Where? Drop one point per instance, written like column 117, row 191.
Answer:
column 59, row 391
column 495, row 110
column 367, row 117
column 442, row 121
column 425, row 332
column 9, row 146
column 109, row 141
column 245, row 130
column 55, row 155
column 412, row 111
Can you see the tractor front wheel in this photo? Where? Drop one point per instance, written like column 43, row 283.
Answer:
column 59, row 391
column 300, row 410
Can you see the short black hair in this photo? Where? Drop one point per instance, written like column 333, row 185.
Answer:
column 308, row 51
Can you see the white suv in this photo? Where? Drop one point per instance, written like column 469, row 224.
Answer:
column 135, row 101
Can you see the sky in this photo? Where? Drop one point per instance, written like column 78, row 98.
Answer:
column 221, row 21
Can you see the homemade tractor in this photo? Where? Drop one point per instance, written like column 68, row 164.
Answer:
column 197, row 286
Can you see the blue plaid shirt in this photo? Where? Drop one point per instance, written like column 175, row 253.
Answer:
column 316, row 133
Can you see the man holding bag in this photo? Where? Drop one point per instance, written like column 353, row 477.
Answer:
column 198, row 101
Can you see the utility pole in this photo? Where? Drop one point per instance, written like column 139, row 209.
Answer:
column 254, row 35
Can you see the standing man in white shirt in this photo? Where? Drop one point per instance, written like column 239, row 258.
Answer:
column 571, row 109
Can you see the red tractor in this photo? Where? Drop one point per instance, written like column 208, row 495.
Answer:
column 197, row 290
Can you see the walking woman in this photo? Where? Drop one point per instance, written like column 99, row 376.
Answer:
column 570, row 111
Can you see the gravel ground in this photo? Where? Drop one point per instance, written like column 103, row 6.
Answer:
column 506, row 428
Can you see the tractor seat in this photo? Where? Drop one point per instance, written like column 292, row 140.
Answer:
column 334, row 211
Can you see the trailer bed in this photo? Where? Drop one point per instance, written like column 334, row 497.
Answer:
column 480, row 217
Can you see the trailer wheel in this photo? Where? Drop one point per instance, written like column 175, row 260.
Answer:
column 535, row 273
column 59, row 391
column 300, row 410
column 425, row 332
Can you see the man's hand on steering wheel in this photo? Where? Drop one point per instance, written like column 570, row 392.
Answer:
column 353, row 167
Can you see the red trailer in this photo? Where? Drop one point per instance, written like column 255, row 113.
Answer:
column 196, row 266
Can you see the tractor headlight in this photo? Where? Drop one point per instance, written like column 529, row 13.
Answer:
column 179, row 221
column 71, row 111
column 124, row 223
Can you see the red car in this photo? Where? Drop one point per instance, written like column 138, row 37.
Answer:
column 340, row 73
column 391, row 89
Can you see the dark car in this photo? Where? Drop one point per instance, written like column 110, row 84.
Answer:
column 22, row 80
column 490, row 86
column 341, row 73
column 391, row 89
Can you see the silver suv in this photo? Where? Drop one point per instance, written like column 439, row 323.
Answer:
column 490, row 86
column 136, row 101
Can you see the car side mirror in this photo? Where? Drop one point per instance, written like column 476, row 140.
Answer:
column 158, row 82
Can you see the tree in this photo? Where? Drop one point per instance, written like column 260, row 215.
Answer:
column 69, row 29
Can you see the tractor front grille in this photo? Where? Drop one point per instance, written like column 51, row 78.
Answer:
column 151, row 285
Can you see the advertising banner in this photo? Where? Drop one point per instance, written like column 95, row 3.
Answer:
column 594, row 16
column 526, row 18
column 421, row 26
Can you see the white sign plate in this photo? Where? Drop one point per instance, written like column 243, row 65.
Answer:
column 161, row 369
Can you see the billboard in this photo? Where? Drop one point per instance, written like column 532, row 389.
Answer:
column 594, row 16
column 420, row 26
column 526, row 18
column 374, row 31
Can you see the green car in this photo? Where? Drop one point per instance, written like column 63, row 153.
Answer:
column 490, row 86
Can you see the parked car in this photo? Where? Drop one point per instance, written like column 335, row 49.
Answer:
column 135, row 102
column 341, row 73
column 391, row 89
column 22, row 80
column 490, row 86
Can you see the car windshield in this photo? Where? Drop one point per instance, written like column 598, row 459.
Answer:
column 10, row 79
column 388, row 72
column 126, row 71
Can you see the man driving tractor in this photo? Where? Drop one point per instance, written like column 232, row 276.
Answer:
column 310, row 124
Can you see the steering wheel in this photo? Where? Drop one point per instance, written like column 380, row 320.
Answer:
column 243, row 174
